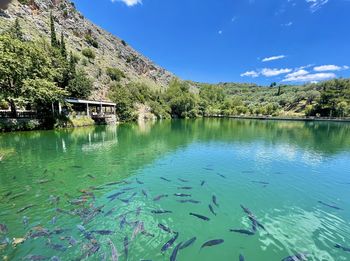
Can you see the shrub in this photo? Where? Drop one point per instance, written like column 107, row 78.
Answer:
column 115, row 74
column 88, row 53
column 91, row 41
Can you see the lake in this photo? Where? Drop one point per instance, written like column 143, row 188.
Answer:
column 264, row 190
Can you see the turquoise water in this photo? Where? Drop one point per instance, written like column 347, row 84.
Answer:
column 293, row 176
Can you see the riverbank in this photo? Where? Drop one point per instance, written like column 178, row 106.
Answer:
column 270, row 118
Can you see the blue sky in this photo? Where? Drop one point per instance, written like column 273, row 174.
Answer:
column 261, row 41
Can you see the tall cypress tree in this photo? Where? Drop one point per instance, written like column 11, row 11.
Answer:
column 16, row 30
column 54, row 42
column 63, row 46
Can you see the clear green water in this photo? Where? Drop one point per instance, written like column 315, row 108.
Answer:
column 303, row 163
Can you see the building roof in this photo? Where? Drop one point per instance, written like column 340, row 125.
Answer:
column 79, row 101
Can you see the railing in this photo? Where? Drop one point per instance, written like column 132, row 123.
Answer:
column 20, row 114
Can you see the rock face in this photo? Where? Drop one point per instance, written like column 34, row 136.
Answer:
column 80, row 33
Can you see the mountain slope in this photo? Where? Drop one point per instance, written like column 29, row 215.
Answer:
column 80, row 33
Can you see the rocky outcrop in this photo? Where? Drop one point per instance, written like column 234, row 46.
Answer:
column 80, row 33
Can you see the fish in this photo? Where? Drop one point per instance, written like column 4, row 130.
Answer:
column 53, row 220
column 43, row 181
column 202, row 183
column 139, row 182
column 248, row 171
column 109, row 212
column 126, row 247
column 114, row 183
column 35, row 257
column 183, row 180
column 213, row 242
column 63, row 211
column 3, row 229
column 113, row 250
column 346, row 249
column 115, row 195
column 241, row 257
column 123, row 222
column 161, row 211
column 261, row 182
column 43, row 233
column 184, row 187
column 182, row 195
column 90, row 176
column 200, row 216
column 170, row 242
column 129, row 199
column 127, row 189
column 17, row 195
column 72, row 241
column 254, row 223
column 175, row 251
column 81, row 228
column 243, row 231
column 188, row 243
column 102, row 232
column 25, row 208
column 215, row 201
column 138, row 211
column 296, row 257
column 189, row 201
column 165, row 228
column 57, row 247
column 160, row 197
column 77, row 167
column 212, row 210
column 247, row 211
column 165, row 179
column 78, row 201
column 145, row 193
column 221, row 175
column 330, row 206
column 25, row 221
column 210, row 169
column 138, row 229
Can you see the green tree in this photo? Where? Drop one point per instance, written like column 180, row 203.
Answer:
column 54, row 41
column 181, row 101
column 124, row 102
column 63, row 46
column 80, row 86
column 22, row 64
column 16, row 30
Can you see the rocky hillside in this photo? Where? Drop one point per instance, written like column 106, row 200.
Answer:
column 80, row 33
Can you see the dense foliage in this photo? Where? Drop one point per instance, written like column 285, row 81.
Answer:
column 34, row 74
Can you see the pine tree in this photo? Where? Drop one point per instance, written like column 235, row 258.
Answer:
column 16, row 30
column 54, row 42
column 63, row 46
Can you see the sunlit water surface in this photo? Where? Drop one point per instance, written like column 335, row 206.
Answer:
column 293, row 176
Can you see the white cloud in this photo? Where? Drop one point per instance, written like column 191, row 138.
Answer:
column 310, row 77
column 330, row 67
column 274, row 72
column 316, row 4
column 253, row 74
column 273, row 58
column 129, row 2
column 297, row 73
column 288, row 24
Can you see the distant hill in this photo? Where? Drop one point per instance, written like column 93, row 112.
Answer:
column 80, row 34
